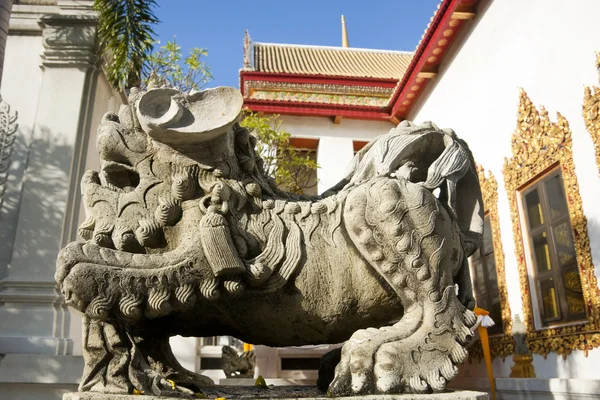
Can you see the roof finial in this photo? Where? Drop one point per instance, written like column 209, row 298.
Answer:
column 344, row 33
column 247, row 53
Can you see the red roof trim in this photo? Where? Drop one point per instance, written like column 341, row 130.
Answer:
column 408, row 89
column 435, row 33
column 249, row 76
column 417, row 59
column 302, row 78
column 317, row 110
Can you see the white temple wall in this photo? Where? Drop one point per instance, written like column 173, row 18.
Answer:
column 548, row 49
column 21, row 60
column 60, row 93
column 335, row 142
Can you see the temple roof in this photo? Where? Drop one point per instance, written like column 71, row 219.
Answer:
column 330, row 61
column 343, row 82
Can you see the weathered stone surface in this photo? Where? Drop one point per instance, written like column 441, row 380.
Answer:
column 185, row 234
column 238, row 365
column 285, row 393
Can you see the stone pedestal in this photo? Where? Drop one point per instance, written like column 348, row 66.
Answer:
column 270, row 381
column 284, row 393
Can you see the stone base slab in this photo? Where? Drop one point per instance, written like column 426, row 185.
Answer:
column 282, row 393
column 270, row 381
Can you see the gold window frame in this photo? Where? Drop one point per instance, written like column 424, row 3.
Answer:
column 538, row 145
column 591, row 112
column 500, row 345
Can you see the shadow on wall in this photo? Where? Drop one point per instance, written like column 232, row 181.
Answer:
column 20, row 382
column 14, row 157
column 32, row 216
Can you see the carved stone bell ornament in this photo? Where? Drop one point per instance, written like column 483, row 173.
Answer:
column 186, row 235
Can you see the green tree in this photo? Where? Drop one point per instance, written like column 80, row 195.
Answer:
column 292, row 169
column 126, row 38
column 167, row 67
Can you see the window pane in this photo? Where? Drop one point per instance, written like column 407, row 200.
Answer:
column 493, row 295
column 556, row 197
column 306, row 178
column 479, row 284
column 488, row 245
column 542, row 252
column 574, row 292
column 549, row 300
column 534, row 209
column 496, row 315
column 564, row 243
column 492, row 276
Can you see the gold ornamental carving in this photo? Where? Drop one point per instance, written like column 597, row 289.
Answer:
column 539, row 145
column 500, row 345
column 591, row 112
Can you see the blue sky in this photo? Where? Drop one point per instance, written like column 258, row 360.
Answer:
column 219, row 25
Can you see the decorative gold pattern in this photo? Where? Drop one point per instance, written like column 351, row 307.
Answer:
column 537, row 146
column 501, row 345
column 591, row 112
column 318, row 93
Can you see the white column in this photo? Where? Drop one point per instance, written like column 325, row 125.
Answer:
column 333, row 156
column 184, row 349
column 266, row 362
column 33, row 314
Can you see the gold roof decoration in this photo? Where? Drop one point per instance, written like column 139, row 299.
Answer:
column 330, row 61
column 539, row 145
column 345, row 42
column 501, row 345
column 591, row 112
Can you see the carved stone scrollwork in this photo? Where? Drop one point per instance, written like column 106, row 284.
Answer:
column 537, row 145
column 69, row 40
column 503, row 345
column 8, row 127
column 591, row 112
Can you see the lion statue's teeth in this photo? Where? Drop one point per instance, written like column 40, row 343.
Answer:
column 158, row 301
column 185, row 294
column 100, row 306
column 130, row 305
column 210, row 289
column 234, row 286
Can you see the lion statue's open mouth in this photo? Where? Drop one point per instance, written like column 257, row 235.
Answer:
column 186, row 235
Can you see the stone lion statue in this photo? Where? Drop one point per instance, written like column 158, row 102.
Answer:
column 238, row 365
column 186, row 235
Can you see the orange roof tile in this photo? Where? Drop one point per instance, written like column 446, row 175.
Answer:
column 330, row 61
